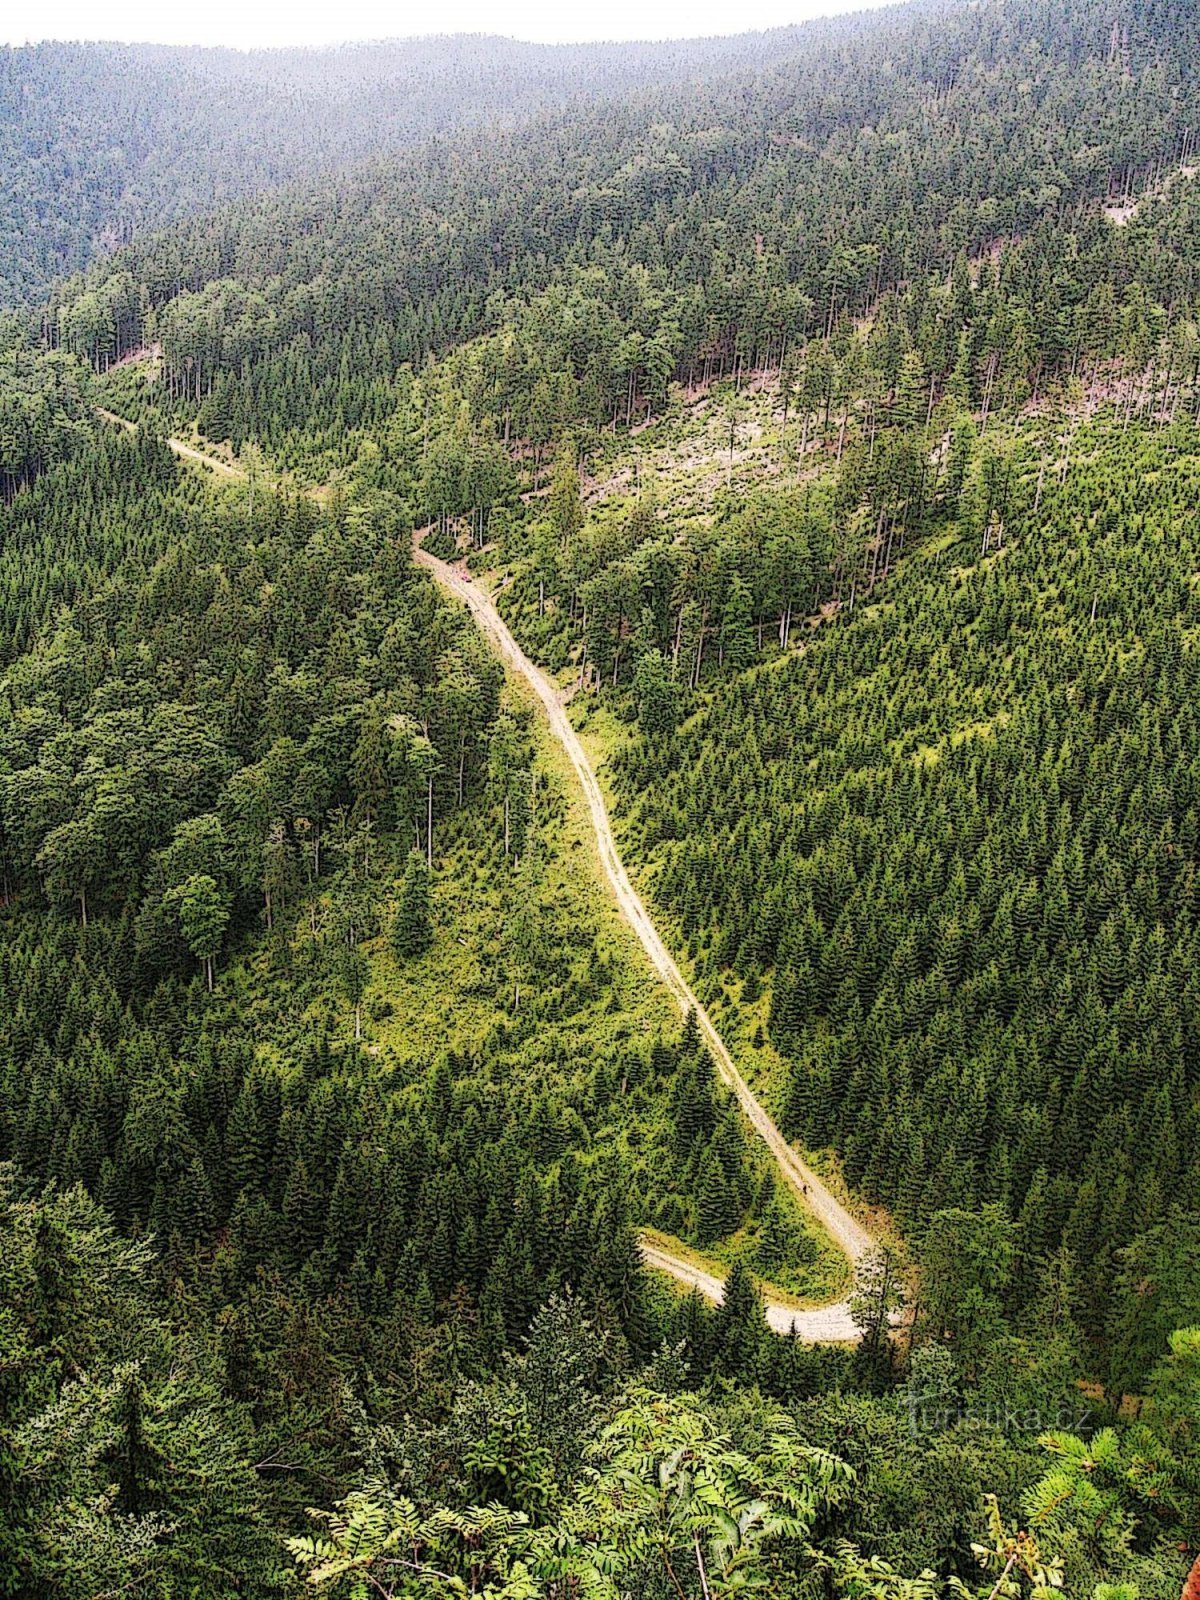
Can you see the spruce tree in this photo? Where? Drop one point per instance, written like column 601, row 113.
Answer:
column 739, row 1328
column 412, row 921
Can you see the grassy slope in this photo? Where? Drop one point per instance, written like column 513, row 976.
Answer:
column 474, row 992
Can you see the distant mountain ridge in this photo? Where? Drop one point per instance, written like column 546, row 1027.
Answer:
column 102, row 141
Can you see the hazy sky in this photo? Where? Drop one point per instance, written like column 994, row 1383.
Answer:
column 305, row 22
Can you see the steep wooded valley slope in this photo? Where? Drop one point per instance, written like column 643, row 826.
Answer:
column 820, row 411
column 101, row 143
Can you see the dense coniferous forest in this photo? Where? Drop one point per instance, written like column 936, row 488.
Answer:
column 104, row 143
column 821, row 409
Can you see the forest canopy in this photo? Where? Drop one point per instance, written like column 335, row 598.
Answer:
column 820, row 410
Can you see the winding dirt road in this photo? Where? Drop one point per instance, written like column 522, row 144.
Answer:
column 823, row 1322
column 820, row 1324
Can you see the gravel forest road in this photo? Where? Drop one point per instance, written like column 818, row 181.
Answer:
column 818, row 1324
column 821, row 1323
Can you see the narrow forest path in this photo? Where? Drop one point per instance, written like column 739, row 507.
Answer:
column 823, row 1322
column 223, row 469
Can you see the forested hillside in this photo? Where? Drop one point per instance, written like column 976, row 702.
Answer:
column 613, row 248
column 952, row 839
column 283, row 819
column 100, row 143
column 823, row 409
